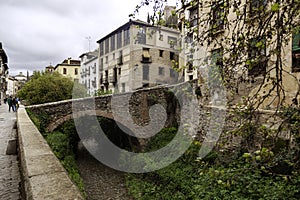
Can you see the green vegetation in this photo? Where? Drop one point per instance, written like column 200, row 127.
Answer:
column 63, row 143
column 40, row 120
column 261, row 174
column 101, row 92
column 49, row 87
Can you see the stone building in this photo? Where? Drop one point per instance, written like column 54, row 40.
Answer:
column 69, row 68
column 89, row 71
column 216, row 21
column 137, row 55
column 12, row 86
column 21, row 79
column 49, row 68
column 3, row 72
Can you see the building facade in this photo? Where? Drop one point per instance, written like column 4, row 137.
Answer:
column 215, row 35
column 89, row 71
column 12, row 86
column 21, row 80
column 137, row 55
column 3, row 72
column 69, row 68
column 49, row 69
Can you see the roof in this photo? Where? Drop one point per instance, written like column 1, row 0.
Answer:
column 69, row 62
column 126, row 26
column 137, row 23
column 50, row 66
column 91, row 53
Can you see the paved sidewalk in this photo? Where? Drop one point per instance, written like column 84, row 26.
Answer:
column 9, row 169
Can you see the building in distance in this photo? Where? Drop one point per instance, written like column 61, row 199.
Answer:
column 69, row 68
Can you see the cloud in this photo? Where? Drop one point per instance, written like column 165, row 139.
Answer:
column 35, row 33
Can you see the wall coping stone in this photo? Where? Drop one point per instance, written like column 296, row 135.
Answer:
column 44, row 176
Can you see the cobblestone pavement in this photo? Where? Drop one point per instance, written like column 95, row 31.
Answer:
column 9, row 169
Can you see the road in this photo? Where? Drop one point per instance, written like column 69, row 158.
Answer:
column 9, row 168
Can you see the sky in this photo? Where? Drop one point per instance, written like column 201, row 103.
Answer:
column 37, row 33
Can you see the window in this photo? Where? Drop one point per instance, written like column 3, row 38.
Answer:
column 106, row 76
column 172, row 41
column 106, row 45
column 94, row 68
column 106, row 59
column 64, row 70
column 112, row 43
column 119, row 40
column 126, row 37
column 141, row 35
column 172, row 73
column 256, row 7
column 218, row 16
column 123, row 87
column 161, row 71
column 120, row 58
column 101, row 78
column 101, row 49
column 114, row 56
column 217, row 62
column 146, row 72
column 115, row 74
column 257, row 57
column 76, row 71
column 296, row 53
column 101, row 64
column 161, row 53
column 190, row 66
column 172, row 56
column 161, row 37
column 194, row 16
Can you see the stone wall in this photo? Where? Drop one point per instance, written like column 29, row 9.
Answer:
column 137, row 103
column 214, row 123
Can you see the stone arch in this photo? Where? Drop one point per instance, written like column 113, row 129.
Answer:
column 59, row 121
column 141, row 142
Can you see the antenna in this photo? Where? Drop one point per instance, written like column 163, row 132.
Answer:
column 89, row 40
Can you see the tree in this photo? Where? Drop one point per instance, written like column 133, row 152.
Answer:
column 248, row 46
column 45, row 87
column 250, row 37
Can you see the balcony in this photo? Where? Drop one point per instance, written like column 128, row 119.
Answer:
column 146, row 59
column 105, row 80
column 112, row 79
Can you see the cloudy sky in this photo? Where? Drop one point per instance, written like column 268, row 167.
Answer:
column 35, row 33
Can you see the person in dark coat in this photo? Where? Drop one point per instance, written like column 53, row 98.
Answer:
column 14, row 106
column 9, row 102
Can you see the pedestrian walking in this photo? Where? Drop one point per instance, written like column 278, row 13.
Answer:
column 17, row 103
column 14, row 104
column 9, row 102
